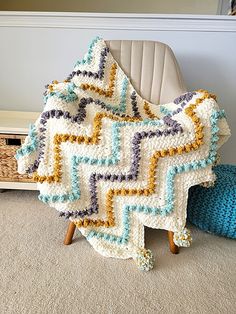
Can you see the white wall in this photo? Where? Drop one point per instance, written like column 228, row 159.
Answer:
column 35, row 50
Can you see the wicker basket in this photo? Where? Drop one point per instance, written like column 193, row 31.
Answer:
column 9, row 143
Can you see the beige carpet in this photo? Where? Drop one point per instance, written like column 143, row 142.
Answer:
column 38, row 274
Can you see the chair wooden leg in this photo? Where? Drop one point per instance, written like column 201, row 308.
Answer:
column 173, row 247
column 69, row 233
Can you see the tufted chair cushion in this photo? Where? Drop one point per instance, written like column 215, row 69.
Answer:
column 152, row 67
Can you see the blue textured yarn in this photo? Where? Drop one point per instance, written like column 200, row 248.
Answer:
column 31, row 147
column 214, row 209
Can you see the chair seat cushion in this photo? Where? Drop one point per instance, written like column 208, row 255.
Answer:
column 214, row 209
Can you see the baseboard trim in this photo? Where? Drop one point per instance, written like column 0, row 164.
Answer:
column 122, row 21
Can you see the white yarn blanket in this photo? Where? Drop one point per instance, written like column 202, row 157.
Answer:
column 112, row 162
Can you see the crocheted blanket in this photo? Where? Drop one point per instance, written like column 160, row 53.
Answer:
column 112, row 162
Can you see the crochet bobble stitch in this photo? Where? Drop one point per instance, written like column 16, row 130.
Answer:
column 148, row 111
column 107, row 93
column 185, row 98
column 170, row 191
column 72, row 138
column 70, row 96
column 97, row 128
column 73, row 197
column 153, row 164
column 113, row 159
column 94, row 139
column 120, row 177
column 88, row 58
column 32, row 146
column 78, row 118
column 182, row 238
column 99, row 74
column 134, row 104
column 109, row 213
column 144, row 259
column 96, row 75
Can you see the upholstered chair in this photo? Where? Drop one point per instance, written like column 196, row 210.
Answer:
column 156, row 76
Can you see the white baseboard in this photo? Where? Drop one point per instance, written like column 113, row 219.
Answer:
column 18, row 185
column 121, row 21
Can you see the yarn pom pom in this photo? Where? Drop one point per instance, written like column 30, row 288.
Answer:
column 183, row 238
column 144, row 259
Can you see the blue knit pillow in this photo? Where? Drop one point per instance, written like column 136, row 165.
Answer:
column 214, row 209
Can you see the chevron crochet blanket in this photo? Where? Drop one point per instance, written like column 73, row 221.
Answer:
column 112, row 162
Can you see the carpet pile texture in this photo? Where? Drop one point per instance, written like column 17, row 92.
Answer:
column 38, row 274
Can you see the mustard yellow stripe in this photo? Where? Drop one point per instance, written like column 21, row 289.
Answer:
column 89, row 140
column 94, row 139
column 152, row 169
column 148, row 111
column 104, row 92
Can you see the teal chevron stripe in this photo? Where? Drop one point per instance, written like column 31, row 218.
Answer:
column 165, row 111
column 122, row 106
column 31, row 147
column 70, row 96
column 124, row 238
column 88, row 57
column 113, row 159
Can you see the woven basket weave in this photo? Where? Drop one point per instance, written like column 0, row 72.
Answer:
column 9, row 143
